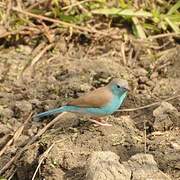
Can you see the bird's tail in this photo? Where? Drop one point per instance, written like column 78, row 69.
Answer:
column 50, row 112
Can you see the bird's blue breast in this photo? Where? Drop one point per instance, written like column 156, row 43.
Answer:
column 108, row 109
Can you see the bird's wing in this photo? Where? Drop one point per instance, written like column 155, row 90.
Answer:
column 96, row 98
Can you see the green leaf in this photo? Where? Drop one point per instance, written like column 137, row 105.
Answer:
column 174, row 8
column 75, row 19
column 151, row 27
column 107, row 11
column 122, row 4
column 120, row 12
column 156, row 15
column 173, row 25
column 174, row 18
column 139, row 29
column 2, row 178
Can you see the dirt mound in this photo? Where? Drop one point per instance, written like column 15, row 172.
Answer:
column 54, row 80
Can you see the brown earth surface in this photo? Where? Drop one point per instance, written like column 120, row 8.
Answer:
column 67, row 72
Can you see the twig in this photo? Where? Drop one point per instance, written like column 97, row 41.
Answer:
column 149, row 105
column 19, row 4
column 53, row 20
column 32, row 140
column 163, row 35
column 23, row 31
column 139, row 28
column 64, row 24
column 76, row 4
column 42, row 131
column 8, row 9
column 47, row 33
column 123, row 53
column 145, row 136
column 17, row 134
column 29, row 66
column 42, row 159
column 12, row 174
column 38, row 56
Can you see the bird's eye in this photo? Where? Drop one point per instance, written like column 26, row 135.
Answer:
column 118, row 86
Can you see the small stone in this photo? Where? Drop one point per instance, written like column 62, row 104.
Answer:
column 150, row 83
column 23, row 106
column 175, row 145
column 25, row 49
column 142, row 80
column 85, row 87
column 21, row 141
column 166, row 116
column 106, row 166
column 154, row 75
column 140, row 72
column 4, row 129
column 35, row 102
column 177, row 165
column 2, row 30
column 32, row 131
column 6, row 112
column 142, row 87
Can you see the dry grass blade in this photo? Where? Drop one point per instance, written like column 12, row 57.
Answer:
column 145, row 138
column 16, row 135
column 123, row 53
column 54, row 20
column 29, row 67
column 64, row 24
column 139, row 28
column 76, row 4
column 41, row 53
column 42, row 131
column 32, row 140
column 47, row 33
column 149, row 105
column 44, row 155
column 163, row 35
column 8, row 9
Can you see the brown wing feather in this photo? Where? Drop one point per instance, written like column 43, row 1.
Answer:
column 96, row 98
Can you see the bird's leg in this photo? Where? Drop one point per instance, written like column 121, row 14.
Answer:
column 98, row 121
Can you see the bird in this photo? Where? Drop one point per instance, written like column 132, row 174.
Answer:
column 98, row 103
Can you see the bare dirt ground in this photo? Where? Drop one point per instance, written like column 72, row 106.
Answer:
column 67, row 72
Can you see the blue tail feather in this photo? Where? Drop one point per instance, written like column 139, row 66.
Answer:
column 50, row 112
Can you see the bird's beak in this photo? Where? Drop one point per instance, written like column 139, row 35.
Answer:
column 127, row 88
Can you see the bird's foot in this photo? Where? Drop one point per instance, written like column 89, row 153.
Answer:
column 99, row 121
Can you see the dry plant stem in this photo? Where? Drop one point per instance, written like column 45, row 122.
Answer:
column 42, row 131
column 139, row 28
column 8, row 6
column 30, row 65
column 42, row 159
column 163, row 35
column 38, row 48
column 12, row 174
column 32, row 140
column 29, row 32
column 53, row 20
column 36, row 58
column 123, row 53
column 64, row 24
column 149, row 105
column 47, row 33
column 76, row 4
column 19, row 4
column 9, row 163
column 17, row 134
column 145, row 136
